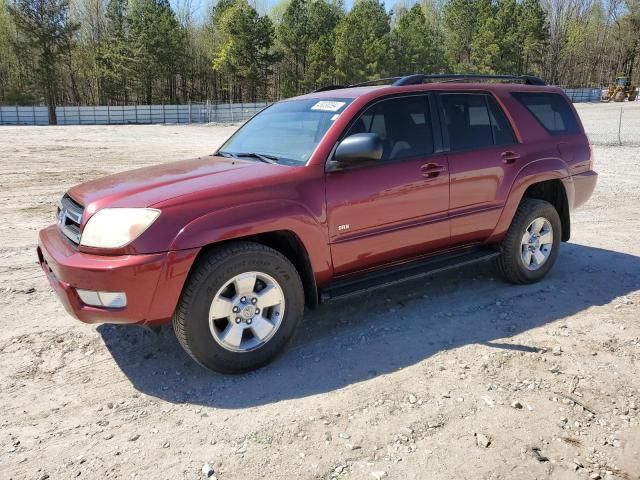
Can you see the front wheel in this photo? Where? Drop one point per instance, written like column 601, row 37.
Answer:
column 239, row 308
column 531, row 245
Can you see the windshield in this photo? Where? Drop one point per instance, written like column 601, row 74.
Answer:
column 287, row 132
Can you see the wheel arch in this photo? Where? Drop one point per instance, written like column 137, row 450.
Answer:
column 546, row 179
column 289, row 245
column 553, row 191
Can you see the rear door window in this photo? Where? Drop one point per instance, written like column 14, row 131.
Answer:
column 550, row 110
column 474, row 121
column 502, row 131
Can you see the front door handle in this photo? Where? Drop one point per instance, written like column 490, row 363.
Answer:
column 509, row 156
column 431, row 170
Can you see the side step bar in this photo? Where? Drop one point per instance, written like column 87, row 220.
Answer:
column 357, row 285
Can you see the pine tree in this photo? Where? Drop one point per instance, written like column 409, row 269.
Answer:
column 321, row 68
column 157, row 44
column 244, row 55
column 114, row 55
column 533, row 35
column 460, row 24
column 363, row 42
column 295, row 36
column 47, row 31
column 416, row 44
column 485, row 42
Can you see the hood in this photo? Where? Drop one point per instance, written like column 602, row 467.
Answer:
column 146, row 186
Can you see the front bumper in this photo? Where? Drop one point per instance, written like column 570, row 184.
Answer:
column 152, row 282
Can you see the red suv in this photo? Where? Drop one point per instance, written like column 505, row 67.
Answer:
column 326, row 195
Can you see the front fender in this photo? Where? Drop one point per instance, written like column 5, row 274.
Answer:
column 534, row 172
column 261, row 217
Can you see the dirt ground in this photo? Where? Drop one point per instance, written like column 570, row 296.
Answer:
column 461, row 376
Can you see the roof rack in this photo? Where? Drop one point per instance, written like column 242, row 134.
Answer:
column 461, row 77
column 418, row 78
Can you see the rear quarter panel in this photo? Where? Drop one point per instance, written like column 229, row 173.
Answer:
column 548, row 157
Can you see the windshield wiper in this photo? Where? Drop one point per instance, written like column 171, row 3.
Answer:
column 260, row 156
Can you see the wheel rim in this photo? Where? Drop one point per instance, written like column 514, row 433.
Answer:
column 537, row 243
column 246, row 312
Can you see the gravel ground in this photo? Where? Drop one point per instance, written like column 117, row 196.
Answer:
column 459, row 376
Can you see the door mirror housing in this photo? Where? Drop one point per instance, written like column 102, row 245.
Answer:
column 359, row 148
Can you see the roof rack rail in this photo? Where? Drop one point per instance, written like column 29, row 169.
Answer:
column 418, row 78
column 329, row 87
column 389, row 80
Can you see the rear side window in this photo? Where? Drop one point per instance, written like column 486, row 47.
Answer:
column 474, row 121
column 551, row 110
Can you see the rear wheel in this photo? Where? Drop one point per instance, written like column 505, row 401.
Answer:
column 239, row 308
column 531, row 245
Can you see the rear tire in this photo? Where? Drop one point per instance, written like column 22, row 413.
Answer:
column 527, row 255
column 225, row 321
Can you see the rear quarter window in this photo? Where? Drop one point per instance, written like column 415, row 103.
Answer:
column 551, row 111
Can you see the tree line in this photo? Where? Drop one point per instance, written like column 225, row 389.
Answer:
column 118, row 52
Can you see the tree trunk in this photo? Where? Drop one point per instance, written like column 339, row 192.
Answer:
column 53, row 119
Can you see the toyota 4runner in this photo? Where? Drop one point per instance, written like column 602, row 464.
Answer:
column 322, row 196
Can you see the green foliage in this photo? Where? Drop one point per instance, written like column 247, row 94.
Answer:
column 139, row 51
column 363, row 42
column 502, row 36
column 416, row 44
column 244, row 51
column 156, row 41
column 295, row 37
column 321, row 69
column 532, row 36
column 46, row 31
column 306, row 41
column 460, row 24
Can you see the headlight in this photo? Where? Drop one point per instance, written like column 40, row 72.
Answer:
column 116, row 227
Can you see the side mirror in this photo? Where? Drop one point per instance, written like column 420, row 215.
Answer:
column 360, row 147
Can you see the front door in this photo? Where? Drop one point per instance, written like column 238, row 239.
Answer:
column 397, row 207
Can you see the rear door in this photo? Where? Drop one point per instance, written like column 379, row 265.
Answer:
column 484, row 157
column 397, row 207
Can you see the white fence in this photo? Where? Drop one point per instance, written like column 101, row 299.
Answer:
column 580, row 95
column 134, row 114
column 191, row 113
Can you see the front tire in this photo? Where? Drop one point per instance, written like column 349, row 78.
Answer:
column 239, row 308
column 532, row 243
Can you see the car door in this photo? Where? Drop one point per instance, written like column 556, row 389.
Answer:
column 484, row 157
column 397, row 207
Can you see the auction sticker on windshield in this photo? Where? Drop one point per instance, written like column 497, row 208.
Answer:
column 327, row 106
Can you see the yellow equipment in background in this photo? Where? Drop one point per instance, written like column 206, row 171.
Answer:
column 620, row 90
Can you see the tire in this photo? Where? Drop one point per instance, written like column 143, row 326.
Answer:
column 218, row 275
column 511, row 263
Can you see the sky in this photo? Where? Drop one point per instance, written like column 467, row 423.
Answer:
column 199, row 7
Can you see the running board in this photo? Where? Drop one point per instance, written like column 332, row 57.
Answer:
column 359, row 284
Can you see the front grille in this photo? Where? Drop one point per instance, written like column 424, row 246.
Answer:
column 69, row 218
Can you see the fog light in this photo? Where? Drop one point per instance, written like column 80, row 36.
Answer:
column 103, row 299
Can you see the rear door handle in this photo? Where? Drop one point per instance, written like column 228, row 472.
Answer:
column 431, row 170
column 509, row 157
